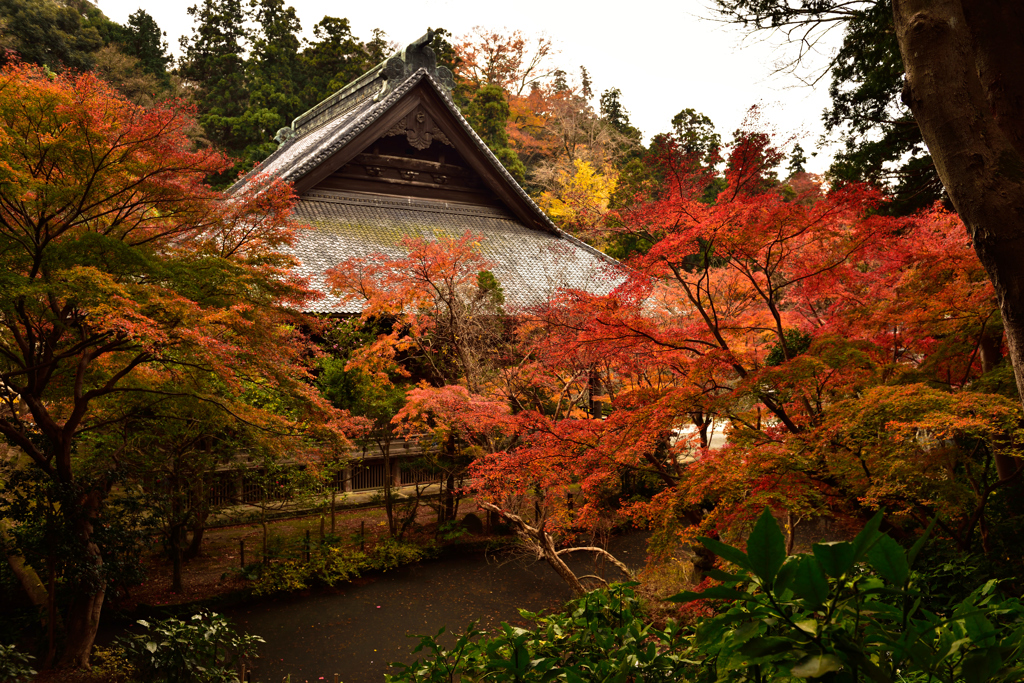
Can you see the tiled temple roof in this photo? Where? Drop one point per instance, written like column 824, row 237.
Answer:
column 531, row 256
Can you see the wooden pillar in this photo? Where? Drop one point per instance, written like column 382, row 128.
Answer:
column 346, row 481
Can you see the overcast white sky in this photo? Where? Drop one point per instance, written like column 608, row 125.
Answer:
column 663, row 56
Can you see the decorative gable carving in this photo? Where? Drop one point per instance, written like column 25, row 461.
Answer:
column 419, row 129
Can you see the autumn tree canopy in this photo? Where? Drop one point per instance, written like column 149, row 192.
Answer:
column 126, row 277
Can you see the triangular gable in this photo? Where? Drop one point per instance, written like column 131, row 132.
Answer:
column 396, row 93
column 424, row 117
column 416, row 149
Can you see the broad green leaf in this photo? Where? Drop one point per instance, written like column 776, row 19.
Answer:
column 836, row 558
column 807, row 626
column 719, row 575
column 151, row 646
column 981, row 666
column 867, row 537
column 979, row 629
column 890, row 560
column 767, row 645
column 784, row 579
column 814, row 666
column 810, row 583
column 726, row 552
column 766, row 548
column 919, row 544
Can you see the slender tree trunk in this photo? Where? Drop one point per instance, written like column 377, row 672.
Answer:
column 175, row 543
column 541, row 542
column 52, row 614
column 195, row 546
column 965, row 86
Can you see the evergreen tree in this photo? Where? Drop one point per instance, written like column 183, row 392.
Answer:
column 142, row 39
column 696, row 135
column 275, row 76
column 332, row 60
column 213, row 62
column 883, row 144
column 488, row 114
column 616, row 115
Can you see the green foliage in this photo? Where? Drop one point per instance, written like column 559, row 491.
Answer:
column 14, row 665
column 331, row 60
column 696, row 134
column 615, row 114
column 329, row 565
column 111, row 665
column 142, row 38
column 489, row 286
column 60, row 35
column 883, row 144
column 797, row 342
column 390, row 553
column 600, row 637
column 204, row 649
column 850, row 611
column 488, row 114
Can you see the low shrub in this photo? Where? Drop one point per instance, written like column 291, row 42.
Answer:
column 330, row 565
column 14, row 665
column 203, row 649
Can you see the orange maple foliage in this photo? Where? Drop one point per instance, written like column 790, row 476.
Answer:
column 126, row 275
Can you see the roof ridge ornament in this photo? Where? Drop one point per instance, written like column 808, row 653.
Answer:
column 417, row 55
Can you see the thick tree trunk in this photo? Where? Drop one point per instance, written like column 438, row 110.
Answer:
column 965, row 86
column 84, row 615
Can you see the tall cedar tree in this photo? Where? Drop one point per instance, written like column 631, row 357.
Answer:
column 213, row 61
column 142, row 38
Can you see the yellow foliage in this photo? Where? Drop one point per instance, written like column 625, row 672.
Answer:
column 580, row 198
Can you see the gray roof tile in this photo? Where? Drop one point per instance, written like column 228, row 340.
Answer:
column 530, row 265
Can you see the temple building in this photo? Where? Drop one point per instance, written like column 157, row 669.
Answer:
column 391, row 156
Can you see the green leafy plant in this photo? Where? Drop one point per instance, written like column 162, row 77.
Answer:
column 390, row 553
column 849, row 611
column 14, row 665
column 203, row 649
column 327, row 565
column 600, row 637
